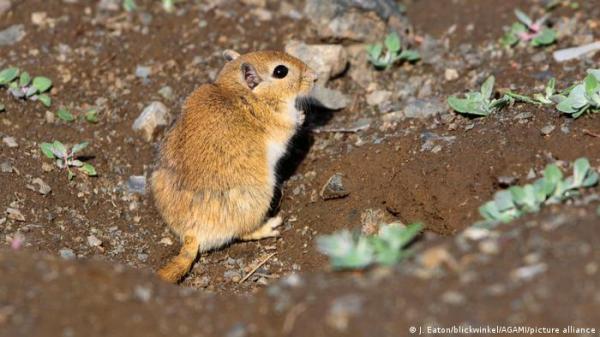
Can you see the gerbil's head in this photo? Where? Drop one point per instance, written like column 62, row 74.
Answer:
column 267, row 74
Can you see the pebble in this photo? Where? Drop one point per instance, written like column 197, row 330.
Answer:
column 12, row 35
column 4, row 6
column 528, row 272
column 328, row 60
column 136, row 184
column 142, row 293
column 43, row 188
column 334, row 188
column 546, row 130
column 10, row 142
column 329, row 98
column 506, row 181
column 453, row 297
column 450, row 74
column 343, row 310
column 6, row 167
column 15, row 214
column 154, row 117
column 378, row 97
column 238, row 330
column 67, row 253
column 166, row 92
column 93, row 241
column 423, row 108
column 232, row 275
column 143, row 72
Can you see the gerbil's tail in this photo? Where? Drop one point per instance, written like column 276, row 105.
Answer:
column 181, row 264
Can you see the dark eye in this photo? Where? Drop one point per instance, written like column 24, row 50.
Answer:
column 280, row 71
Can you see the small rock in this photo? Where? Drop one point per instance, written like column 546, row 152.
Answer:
column 329, row 98
column 4, row 6
column 136, row 184
column 528, row 272
column 154, row 117
column 433, row 258
column 15, row 214
column 262, row 14
column 450, row 74
column 166, row 92
column 93, row 241
column 232, row 275
column 143, row 257
column 142, row 293
column 378, row 97
column 489, row 246
column 328, row 60
column 143, row 72
column 546, row 130
column 334, row 188
column 453, row 297
column 257, row 3
column 10, row 142
column 371, row 220
column 166, row 241
column 67, row 253
column 343, row 310
column 238, row 330
column 43, row 188
column 6, row 167
column 12, row 35
column 423, row 108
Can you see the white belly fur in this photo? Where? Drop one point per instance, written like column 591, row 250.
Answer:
column 276, row 149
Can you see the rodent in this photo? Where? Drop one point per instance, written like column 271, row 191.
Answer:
column 216, row 171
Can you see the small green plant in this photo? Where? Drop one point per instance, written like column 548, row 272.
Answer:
column 65, row 115
column 544, row 98
column 352, row 251
column 129, row 5
column 91, row 116
column 479, row 103
column 582, row 97
column 393, row 52
column 66, row 159
column 21, row 85
column 527, row 30
column 550, row 189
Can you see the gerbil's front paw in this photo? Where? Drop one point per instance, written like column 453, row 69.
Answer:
column 268, row 230
column 301, row 118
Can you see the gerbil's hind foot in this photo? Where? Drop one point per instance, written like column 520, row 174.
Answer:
column 180, row 264
column 265, row 231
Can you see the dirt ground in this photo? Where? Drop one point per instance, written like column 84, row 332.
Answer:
column 538, row 271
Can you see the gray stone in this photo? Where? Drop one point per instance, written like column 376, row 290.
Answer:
column 153, row 118
column 378, row 97
column 43, row 188
column 66, row 253
column 6, row 167
column 136, row 184
column 328, row 60
column 357, row 20
column 143, row 72
column 329, row 98
column 547, row 130
column 93, row 241
column 10, row 142
column 4, row 6
column 12, row 35
column 423, row 108
column 334, row 188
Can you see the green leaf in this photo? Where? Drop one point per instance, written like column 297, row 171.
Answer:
column 346, row 252
column 89, row 170
column 509, row 39
column 552, row 177
column 79, row 147
column 46, row 149
column 59, row 150
column 551, row 87
column 8, row 75
column 45, row 99
column 65, row 115
column 595, row 73
column 41, row 83
column 392, row 42
column 24, row 79
column 545, row 37
column 409, row 55
column 524, row 18
column 521, row 98
column 580, row 170
column 129, row 5
column 70, row 175
column 91, row 116
column 2, row 107
column 591, row 85
column 487, row 87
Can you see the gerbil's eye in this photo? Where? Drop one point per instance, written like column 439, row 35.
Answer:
column 280, row 71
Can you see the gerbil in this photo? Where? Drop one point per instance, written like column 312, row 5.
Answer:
column 216, row 172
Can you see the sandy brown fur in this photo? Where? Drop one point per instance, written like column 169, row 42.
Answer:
column 212, row 184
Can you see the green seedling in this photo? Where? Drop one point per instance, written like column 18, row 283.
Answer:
column 582, row 97
column 22, row 86
column 65, row 115
column 479, row 103
column 91, row 116
column 550, row 189
column 67, row 159
column 384, row 59
column 129, row 5
column 168, row 5
column 352, row 251
column 549, row 96
column 527, row 30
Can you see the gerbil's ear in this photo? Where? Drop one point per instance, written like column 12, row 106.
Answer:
column 250, row 75
column 230, row 55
